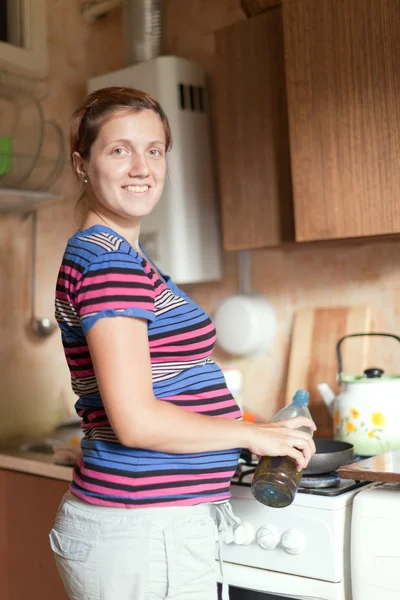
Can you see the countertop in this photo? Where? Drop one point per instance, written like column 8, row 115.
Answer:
column 35, row 463
column 383, row 467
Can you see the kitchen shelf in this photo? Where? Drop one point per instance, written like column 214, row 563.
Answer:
column 23, row 201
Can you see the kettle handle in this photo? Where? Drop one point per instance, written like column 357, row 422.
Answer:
column 350, row 335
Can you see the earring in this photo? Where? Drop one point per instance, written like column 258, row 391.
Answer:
column 85, row 179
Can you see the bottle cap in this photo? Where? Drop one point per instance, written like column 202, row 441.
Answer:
column 301, row 398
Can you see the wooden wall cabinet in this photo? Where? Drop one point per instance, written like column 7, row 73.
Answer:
column 28, row 505
column 252, row 134
column 341, row 63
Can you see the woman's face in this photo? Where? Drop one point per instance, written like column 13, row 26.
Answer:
column 127, row 165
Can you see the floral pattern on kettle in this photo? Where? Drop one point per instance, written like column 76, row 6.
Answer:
column 350, row 425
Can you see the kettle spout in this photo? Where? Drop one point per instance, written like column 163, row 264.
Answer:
column 327, row 395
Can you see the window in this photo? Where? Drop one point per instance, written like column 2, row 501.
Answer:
column 23, row 44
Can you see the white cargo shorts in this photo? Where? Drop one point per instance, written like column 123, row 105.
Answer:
column 161, row 553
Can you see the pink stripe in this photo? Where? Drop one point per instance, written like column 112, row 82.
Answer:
column 114, row 291
column 115, row 278
column 200, row 395
column 97, row 413
column 205, row 407
column 79, row 361
column 193, row 334
column 186, row 347
column 172, row 359
column 70, row 271
column 184, row 336
column 120, row 305
column 148, row 493
column 185, row 502
column 68, row 290
column 62, row 282
column 232, row 415
column 63, row 296
column 120, row 479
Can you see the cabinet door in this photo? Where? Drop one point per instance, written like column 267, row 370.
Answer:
column 30, row 504
column 252, row 133
column 342, row 62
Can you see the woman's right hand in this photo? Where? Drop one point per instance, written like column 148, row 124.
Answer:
column 284, row 438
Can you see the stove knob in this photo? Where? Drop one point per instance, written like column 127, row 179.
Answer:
column 243, row 534
column 268, row 537
column 293, row 541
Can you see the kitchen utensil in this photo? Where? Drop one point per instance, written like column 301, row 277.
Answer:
column 312, row 354
column 367, row 410
column 245, row 325
column 39, row 326
column 245, row 322
column 329, row 456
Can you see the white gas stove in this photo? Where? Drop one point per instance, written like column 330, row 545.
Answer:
column 298, row 552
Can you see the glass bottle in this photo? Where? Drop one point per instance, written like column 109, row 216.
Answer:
column 276, row 479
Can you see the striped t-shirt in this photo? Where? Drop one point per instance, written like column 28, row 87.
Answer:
column 103, row 276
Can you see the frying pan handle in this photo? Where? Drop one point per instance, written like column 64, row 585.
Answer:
column 339, row 354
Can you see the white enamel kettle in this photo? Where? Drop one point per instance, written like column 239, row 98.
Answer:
column 366, row 412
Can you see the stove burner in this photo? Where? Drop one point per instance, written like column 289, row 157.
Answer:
column 327, row 480
column 246, row 473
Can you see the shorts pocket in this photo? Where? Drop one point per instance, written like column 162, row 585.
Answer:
column 69, row 546
column 74, row 545
column 72, row 536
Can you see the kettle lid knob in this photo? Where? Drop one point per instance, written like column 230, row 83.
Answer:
column 374, row 373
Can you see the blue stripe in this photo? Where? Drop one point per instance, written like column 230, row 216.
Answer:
column 119, row 462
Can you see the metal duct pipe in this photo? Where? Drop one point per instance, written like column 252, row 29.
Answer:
column 144, row 30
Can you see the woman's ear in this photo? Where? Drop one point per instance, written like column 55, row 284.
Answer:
column 79, row 165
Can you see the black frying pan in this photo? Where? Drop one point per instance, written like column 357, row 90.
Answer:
column 329, row 456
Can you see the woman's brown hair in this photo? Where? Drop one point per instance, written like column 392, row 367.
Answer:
column 98, row 107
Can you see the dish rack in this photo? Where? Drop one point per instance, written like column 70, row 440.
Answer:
column 32, row 150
